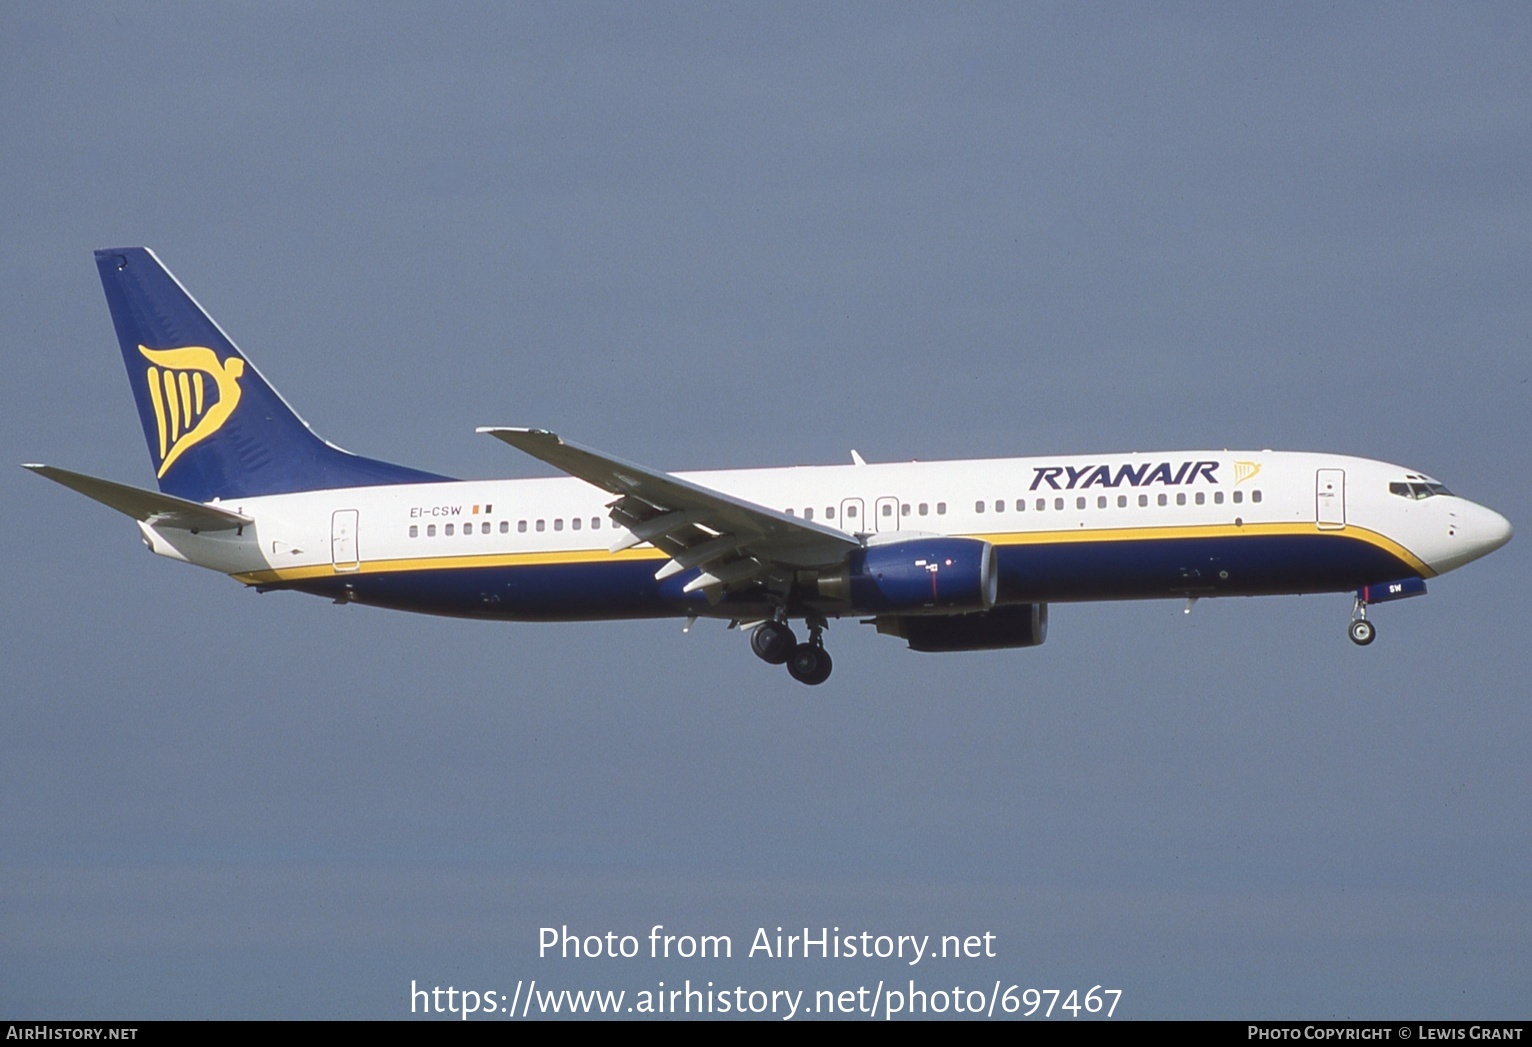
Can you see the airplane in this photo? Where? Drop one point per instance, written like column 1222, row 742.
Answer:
column 946, row 555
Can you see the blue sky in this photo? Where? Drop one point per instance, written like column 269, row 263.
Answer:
column 700, row 237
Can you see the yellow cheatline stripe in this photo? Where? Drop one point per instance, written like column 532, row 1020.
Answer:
column 449, row 563
column 589, row 556
column 1139, row 534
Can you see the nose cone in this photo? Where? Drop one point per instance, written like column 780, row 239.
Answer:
column 1489, row 529
column 1477, row 531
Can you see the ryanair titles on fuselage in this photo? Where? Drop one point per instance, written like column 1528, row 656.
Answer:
column 1143, row 474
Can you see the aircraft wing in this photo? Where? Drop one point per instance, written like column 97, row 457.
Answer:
column 731, row 540
column 151, row 507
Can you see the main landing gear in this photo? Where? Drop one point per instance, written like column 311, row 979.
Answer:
column 775, row 644
column 1361, row 630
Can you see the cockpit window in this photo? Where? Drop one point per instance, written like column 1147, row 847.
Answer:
column 1418, row 490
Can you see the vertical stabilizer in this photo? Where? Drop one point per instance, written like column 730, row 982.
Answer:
column 215, row 428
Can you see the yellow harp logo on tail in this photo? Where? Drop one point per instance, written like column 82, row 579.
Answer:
column 185, row 413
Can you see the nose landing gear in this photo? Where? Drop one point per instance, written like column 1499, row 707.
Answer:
column 1361, row 630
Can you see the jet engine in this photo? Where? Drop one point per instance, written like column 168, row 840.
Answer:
column 916, row 576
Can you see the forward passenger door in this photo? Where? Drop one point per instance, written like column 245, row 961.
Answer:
column 1330, row 499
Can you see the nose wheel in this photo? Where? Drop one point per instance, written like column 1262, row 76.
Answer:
column 1361, row 631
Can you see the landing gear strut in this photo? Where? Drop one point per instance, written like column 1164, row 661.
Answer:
column 1361, row 630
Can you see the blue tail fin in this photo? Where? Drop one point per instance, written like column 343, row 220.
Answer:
column 215, row 428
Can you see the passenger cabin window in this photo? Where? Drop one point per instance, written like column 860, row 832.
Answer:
column 505, row 527
column 542, row 525
column 430, row 530
column 1180, row 497
column 925, row 508
column 1080, row 502
column 447, row 530
column 1217, row 497
column 521, row 527
column 941, row 508
column 1021, row 505
column 1122, row 501
column 1101, row 501
column 978, row 506
column 1239, row 496
column 414, row 531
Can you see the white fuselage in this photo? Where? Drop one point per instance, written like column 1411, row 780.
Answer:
column 1206, row 508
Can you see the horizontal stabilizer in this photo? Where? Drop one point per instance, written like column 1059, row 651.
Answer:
column 151, row 507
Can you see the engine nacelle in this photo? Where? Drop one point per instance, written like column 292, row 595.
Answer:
column 936, row 575
column 1024, row 625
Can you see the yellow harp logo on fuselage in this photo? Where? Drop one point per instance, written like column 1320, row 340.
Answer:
column 184, row 412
